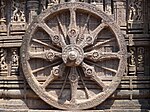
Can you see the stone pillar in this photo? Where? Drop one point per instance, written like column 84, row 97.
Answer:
column 120, row 13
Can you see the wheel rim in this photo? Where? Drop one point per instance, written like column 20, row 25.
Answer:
column 73, row 51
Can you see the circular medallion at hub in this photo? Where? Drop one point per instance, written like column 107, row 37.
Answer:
column 72, row 55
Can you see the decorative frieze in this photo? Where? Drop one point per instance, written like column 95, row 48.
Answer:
column 131, row 62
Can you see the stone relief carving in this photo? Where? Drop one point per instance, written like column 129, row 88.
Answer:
column 2, row 10
column 135, row 10
column 52, row 2
column 18, row 14
column 132, row 63
column 3, row 29
column 140, row 59
column 3, row 54
column 108, row 9
column 14, row 61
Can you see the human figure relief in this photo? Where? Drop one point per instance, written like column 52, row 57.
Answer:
column 2, row 10
column 3, row 54
column 132, row 11
column 18, row 15
column 135, row 10
column 14, row 58
column 53, row 1
column 139, row 10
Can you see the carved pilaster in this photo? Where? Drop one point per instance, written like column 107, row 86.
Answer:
column 120, row 13
column 3, row 62
column 3, row 28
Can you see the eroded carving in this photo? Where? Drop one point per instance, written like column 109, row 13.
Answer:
column 18, row 14
column 3, row 27
column 135, row 10
column 2, row 10
column 14, row 61
column 140, row 59
column 132, row 63
column 3, row 59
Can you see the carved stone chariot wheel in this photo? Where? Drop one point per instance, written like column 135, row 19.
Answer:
column 73, row 56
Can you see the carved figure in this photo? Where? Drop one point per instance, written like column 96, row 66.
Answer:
column 132, row 12
column 2, row 9
column 53, row 1
column 132, row 57
column 139, row 10
column 14, row 58
column 18, row 15
column 135, row 10
column 3, row 54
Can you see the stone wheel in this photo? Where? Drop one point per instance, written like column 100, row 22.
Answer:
column 73, row 56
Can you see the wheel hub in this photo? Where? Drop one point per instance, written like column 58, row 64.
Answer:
column 72, row 55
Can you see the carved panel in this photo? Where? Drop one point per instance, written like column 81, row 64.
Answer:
column 9, row 61
column 137, row 60
column 135, row 15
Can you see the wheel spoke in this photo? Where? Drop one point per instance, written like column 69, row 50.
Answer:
column 109, row 69
column 73, row 32
column 106, row 68
column 89, row 38
column 55, row 37
column 84, row 28
column 95, row 32
column 56, row 72
column 64, row 83
column 45, row 27
column 40, row 42
column 41, row 55
column 89, row 71
column 73, row 78
column 50, row 55
column 86, row 89
column 72, row 18
column 45, row 44
column 99, row 44
column 40, row 69
column 63, row 29
column 96, row 55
